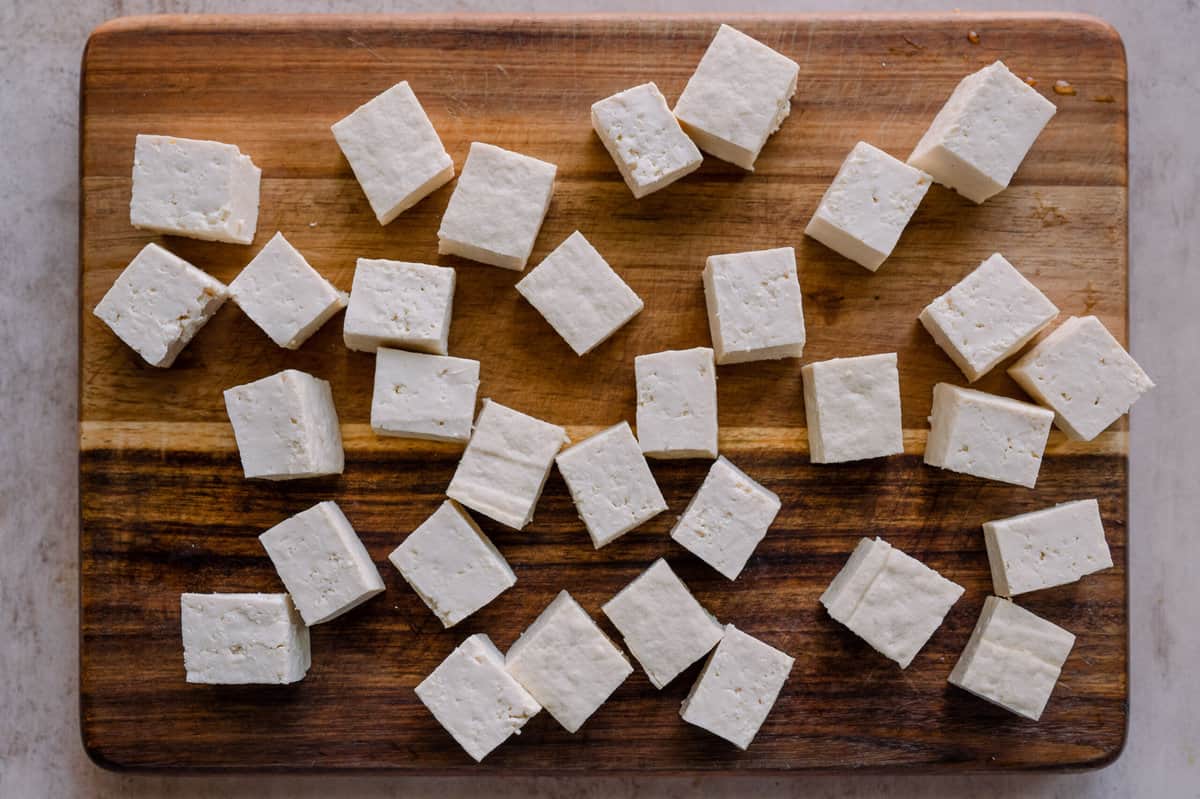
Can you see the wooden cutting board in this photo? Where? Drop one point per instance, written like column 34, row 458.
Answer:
column 164, row 508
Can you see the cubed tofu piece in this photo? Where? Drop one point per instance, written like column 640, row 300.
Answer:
column 643, row 137
column 1045, row 548
column 423, row 396
column 754, row 305
column 399, row 304
column 239, row 639
column 497, row 207
column 738, row 96
column 889, row 599
column 394, row 151
column 159, row 303
column 677, row 403
column 1013, row 658
column 853, row 408
column 983, row 132
column 1084, row 375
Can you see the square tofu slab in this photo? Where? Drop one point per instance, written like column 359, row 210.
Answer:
column 399, row 304
column 452, row 565
column 983, row 132
column 1046, row 548
column 992, row 437
column 1084, row 375
column 394, row 151
column 610, row 483
column 497, row 207
column 579, row 294
column 475, row 699
column 890, row 600
column 738, row 687
column 236, row 639
column 159, row 303
column 505, row 464
column 567, row 662
column 423, row 396
column 677, row 403
column 738, row 96
column 754, row 305
column 641, row 134
column 868, row 205
column 853, row 408
column 987, row 316
column 199, row 189
column 1013, row 658
column 286, row 426
column 663, row 625
column 726, row 519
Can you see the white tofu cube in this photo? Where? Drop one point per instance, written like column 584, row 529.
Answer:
column 284, row 295
column 868, row 205
column 643, row 137
column 567, row 663
column 987, row 316
column 1045, row 548
column 239, row 639
column 475, row 699
column 497, row 207
column 663, row 625
column 983, row 132
column 423, row 396
column 452, row 565
column 505, row 464
column 889, row 599
column 579, row 294
column 199, row 189
column 738, row 687
column 286, row 427
column 738, row 96
column 992, row 437
column 394, row 151
column 159, row 303
column 853, row 408
column 1013, row 658
column 677, row 403
column 1084, row 375
column 726, row 519
column 399, row 304
column 754, row 305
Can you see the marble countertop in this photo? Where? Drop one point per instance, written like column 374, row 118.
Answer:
column 40, row 751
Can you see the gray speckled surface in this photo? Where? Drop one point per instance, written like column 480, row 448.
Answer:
column 40, row 753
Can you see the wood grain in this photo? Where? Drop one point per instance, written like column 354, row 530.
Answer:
column 164, row 508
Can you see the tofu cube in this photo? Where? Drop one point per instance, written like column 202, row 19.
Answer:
column 475, row 699
column 240, row 639
column 567, row 663
column 394, row 151
column 983, row 133
column 1013, row 658
column 853, row 408
column 423, row 396
column 663, row 625
column 198, row 189
column 505, row 464
column 1084, row 375
column 738, row 96
column 889, row 599
column 738, row 687
column 987, row 316
column 1045, row 548
column 754, row 305
column 868, row 205
column 452, row 565
column 643, row 137
column 992, row 437
column 399, row 304
column 159, row 303
column 497, row 207
column 726, row 519
column 677, row 403
column 286, row 427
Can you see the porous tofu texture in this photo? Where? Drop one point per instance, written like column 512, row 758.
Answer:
column 644, row 139
column 423, row 396
column 853, row 408
column 399, row 304
column 1045, row 548
column 677, row 403
column 239, row 639
column 754, row 305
